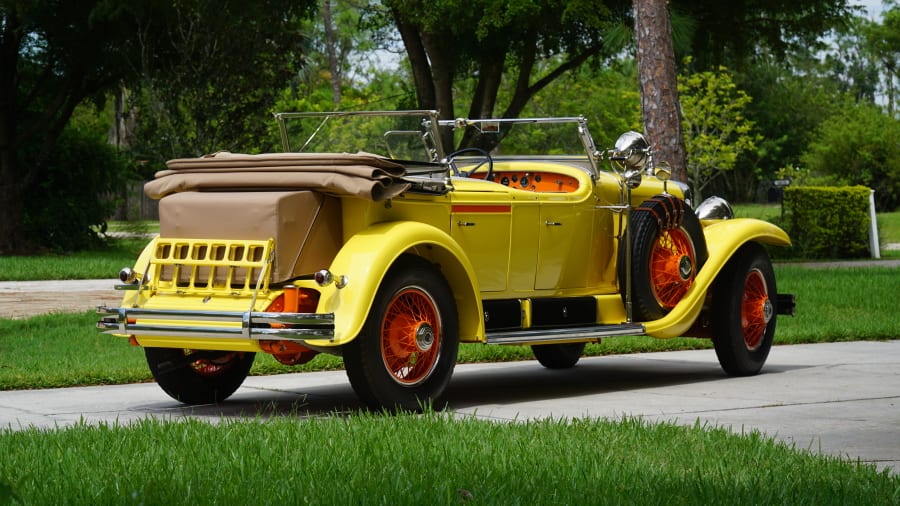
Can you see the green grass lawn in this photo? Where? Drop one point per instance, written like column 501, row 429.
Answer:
column 428, row 459
column 102, row 263
column 889, row 226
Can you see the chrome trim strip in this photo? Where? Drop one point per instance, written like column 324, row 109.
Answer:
column 552, row 335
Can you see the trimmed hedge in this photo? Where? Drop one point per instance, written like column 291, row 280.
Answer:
column 827, row 222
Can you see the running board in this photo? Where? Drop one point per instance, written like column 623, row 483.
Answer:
column 555, row 335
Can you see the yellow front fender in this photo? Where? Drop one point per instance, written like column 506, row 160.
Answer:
column 723, row 239
column 365, row 260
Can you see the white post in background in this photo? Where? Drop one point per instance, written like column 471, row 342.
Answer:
column 873, row 228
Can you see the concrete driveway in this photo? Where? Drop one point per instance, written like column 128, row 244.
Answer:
column 837, row 398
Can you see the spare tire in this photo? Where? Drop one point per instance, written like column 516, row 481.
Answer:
column 668, row 249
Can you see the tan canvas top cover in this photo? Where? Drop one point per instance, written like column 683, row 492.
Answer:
column 361, row 175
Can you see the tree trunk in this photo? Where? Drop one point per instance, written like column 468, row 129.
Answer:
column 660, row 107
column 10, row 182
column 10, row 206
column 418, row 62
column 443, row 71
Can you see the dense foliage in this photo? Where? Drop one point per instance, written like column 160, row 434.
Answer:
column 59, row 213
column 226, row 65
column 859, row 145
column 56, row 55
column 198, row 76
column 716, row 128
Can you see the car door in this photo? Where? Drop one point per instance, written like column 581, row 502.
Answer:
column 480, row 223
column 566, row 244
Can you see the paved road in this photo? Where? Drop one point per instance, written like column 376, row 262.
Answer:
column 838, row 398
column 23, row 299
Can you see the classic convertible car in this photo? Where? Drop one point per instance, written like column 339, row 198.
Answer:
column 367, row 239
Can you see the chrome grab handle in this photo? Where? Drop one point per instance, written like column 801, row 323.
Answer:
column 552, row 223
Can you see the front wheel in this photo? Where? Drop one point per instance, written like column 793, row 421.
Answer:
column 406, row 352
column 198, row 376
column 743, row 311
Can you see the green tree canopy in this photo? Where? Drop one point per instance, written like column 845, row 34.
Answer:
column 859, row 145
column 716, row 128
column 492, row 40
column 732, row 33
column 883, row 43
column 226, row 65
column 55, row 54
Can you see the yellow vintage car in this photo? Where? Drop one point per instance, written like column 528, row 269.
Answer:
column 366, row 238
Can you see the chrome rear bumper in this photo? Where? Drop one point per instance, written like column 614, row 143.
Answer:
column 216, row 324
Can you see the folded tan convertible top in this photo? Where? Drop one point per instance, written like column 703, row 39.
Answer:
column 360, row 175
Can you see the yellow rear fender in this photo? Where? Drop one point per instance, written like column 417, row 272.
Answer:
column 723, row 239
column 130, row 297
column 365, row 260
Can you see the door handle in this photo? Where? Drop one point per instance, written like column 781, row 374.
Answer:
column 552, row 223
column 465, row 223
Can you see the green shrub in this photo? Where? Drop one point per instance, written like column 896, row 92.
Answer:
column 827, row 222
column 71, row 199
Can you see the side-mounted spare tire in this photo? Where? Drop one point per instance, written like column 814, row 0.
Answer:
column 668, row 249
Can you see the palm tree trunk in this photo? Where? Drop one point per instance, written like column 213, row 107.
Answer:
column 660, row 107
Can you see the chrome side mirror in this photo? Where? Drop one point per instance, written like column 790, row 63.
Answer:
column 663, row 172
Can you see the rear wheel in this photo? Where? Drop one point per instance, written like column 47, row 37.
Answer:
column 668, row 249
column 406, row 352
column 198, row 376
column 743, row 312
column 558, row 356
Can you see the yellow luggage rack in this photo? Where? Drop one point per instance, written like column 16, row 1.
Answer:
column 202, row 265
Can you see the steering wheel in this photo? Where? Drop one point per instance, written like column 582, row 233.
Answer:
column 487, row 160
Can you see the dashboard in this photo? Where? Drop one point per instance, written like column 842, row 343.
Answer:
column 541, row 182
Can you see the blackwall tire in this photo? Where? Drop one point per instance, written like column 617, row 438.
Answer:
column 668, row 249
column 558, row 356
column 743, row 311
column 209, row 379
column 404, row 357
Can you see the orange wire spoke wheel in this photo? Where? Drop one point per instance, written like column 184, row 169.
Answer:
column 406, row 351
column 212, row 367
column 672, row 261
column 756, row 309
column 742, row 311
column 668, row 249
column 411, row 336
